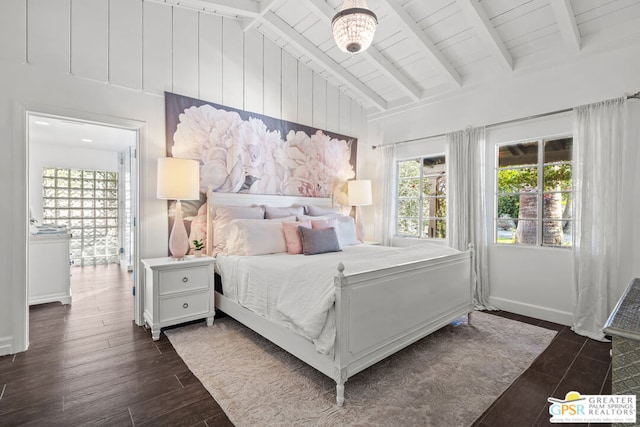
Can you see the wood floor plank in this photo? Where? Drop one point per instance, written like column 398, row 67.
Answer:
column 186, row 416
column 158, row 406
column 120, row 418
column 21, row 408
column 99, row 400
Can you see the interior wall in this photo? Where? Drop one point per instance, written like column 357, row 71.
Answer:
column 535, row 281
column 532, row 281
column 44, row 156
column 112, row 64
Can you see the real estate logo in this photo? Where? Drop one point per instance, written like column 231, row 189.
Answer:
column 577, row 408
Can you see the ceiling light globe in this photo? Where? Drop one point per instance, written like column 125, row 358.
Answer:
column 354, row 26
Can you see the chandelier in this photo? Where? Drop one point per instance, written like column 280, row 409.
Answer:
column 354, row 26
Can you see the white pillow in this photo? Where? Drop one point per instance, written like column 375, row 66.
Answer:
column 345, row 227
column 277, row 212
column 222, row 215
column 237, row 212
column 317, row 210
column 250, row 237
column 346, row 231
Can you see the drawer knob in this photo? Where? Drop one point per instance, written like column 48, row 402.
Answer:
column 185, row 305
column 185, row 279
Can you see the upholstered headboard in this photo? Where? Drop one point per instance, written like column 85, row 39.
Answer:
column 246, row 199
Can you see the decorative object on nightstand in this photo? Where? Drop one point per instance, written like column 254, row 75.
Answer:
column 177, row 292
column 178, row 179
column 354, row 26
column 198, row 247
column 360, row 195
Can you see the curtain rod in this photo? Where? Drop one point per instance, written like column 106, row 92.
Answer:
column 506, row 122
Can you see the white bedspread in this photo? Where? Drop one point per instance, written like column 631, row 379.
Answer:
column 298, row 290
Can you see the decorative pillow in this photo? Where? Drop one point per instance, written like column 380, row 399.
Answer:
column 222, row 215
column 346, row 231
column 255, row 237
column 317, row 210
column 237, row 212
column 292, row 236
column 321, row 224
column 276, row 212
column 318, row 241
column 345, row 227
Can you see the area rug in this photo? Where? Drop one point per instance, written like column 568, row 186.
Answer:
column 446, row 379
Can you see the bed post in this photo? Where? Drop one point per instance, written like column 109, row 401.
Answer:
column 472, row 275
column 340, row 351
column 209, row 234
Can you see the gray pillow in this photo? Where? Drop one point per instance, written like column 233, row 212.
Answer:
column 276, row 212
column 317, row 210
column 319, row 241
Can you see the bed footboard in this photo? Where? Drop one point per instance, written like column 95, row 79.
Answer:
column 382, row 311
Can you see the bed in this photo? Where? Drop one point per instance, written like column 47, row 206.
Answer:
column 376, row 307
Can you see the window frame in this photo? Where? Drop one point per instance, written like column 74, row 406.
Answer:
column 421, row 199
column 540, row 191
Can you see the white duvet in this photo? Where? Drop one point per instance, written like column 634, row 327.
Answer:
column 298, row 290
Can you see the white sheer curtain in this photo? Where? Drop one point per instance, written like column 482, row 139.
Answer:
column 384, row 194
column 467, row 208
column 599, row 151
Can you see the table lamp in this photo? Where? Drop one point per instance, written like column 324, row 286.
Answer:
column 178, row 179
column 359, row 195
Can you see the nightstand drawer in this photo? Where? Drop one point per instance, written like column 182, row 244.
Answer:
column 184, row 306
column 184, row 279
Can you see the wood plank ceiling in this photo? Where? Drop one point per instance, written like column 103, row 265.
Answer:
column 424, row 49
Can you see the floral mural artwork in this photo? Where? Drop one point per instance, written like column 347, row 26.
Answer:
column 242, row 152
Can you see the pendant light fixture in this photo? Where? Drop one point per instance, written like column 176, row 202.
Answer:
column 354, row 26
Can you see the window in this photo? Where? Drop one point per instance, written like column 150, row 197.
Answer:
column 422, row 198
column 534, row 192
column 86, row 201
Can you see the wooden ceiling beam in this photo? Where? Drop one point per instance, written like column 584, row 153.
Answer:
column 566, row 18
column 325, row 12
column 265, row 6
column 303, row 44
column 486, row 31
column 415, row 33
column 231, row 8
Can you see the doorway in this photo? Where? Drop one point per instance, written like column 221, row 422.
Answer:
column 82, row 178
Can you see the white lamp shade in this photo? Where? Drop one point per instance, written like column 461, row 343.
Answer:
column 360, row 192
column 178, row 179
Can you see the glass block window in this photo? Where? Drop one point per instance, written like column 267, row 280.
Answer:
column 86, row 201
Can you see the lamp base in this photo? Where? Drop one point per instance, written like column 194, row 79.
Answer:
column 178, row 239
column 359, row 224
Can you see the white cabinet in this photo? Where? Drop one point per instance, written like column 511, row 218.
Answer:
column 177, row 291
column 49, row 273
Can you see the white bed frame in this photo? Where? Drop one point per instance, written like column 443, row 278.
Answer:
column 378, row 312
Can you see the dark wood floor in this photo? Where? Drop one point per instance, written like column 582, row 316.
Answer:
column 570, row 363
column 88, row 364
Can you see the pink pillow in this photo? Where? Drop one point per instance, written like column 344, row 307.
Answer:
column 292, row 236
column 323, row 224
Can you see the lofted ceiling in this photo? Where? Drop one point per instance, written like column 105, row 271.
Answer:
column 432, row 48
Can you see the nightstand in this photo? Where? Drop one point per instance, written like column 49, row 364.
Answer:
column 177, row 291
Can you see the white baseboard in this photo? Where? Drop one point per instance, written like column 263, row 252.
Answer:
column 6, row 346
column 539, row 312
column 125, row 265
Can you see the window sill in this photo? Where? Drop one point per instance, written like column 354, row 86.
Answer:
column 513, row 245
